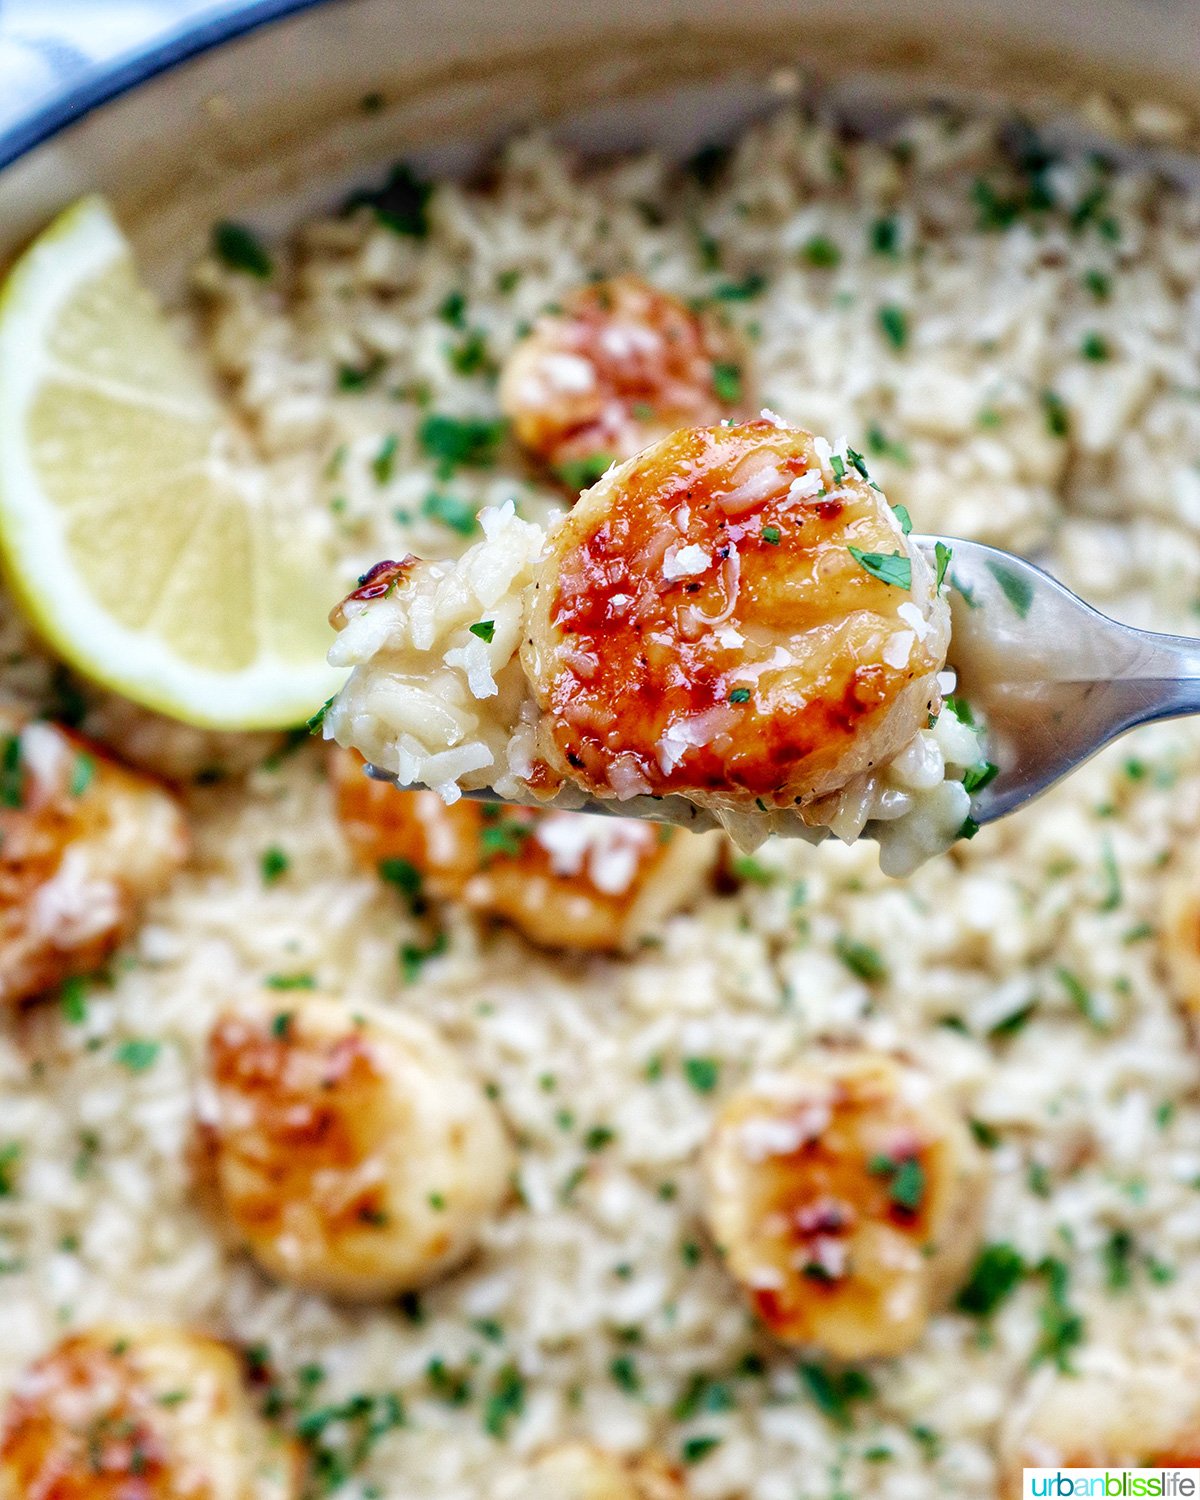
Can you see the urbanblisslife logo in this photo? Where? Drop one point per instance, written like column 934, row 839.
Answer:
column 1111, row 1484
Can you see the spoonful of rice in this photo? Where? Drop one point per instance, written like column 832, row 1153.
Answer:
column 735, row 628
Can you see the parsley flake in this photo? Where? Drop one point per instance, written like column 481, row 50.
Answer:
column 138, row 1054
column 996, row 1274
column 889, row 567
column 894, row 322
column 727, row 383
column 241, row 250
column 1016, row 588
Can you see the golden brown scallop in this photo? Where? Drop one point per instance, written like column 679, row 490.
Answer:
column 734, row 615
column 619, row 366
column 1116, row 1417
column 845, row 1196
column 345, row 1146
column 1180, row 934
column 140, row 1413
column 83, row 844
column 566, row 880
column 580, row 1471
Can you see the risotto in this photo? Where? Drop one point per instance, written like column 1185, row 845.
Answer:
column 982, row 1079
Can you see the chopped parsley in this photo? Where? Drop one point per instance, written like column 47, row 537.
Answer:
column 405, row 876
column 240, row 249
column 450, row 1386
column 506, row 1402
column 458, row 515
column 996, row 1274
column 471, row 356
column 1117, row 1255
column 383, row 465
column 1080, row 996
column 505, row 836
column 72, row 997
column 1098, row 283
column 12, row 773
column 413, row 957
column 1062, row 1326
column 771, row 535
column 290, row 982
column 274, row 864
column 696, row 1448
column 598, row 1137
column 10, row 1159
column 889, row 567
column 702, row 1073
column 727, row 382
column 358, row 377
column 701, row 1395
column 138, row 1053
column 1015, row 1021
column 624, row 1373
column 740, row 291
column 83, row 770
column 906, row 1187
column 1016, row 588
column 884, row 447
column 314, row 724
column 860, row 958
column 821, row 253
column 484, row 629
column 281, row 1025
column 1095, row 347
column 581, row 473
column 893, row 321
column 400, row 204
column 452, row 441
column 739, row 695
column 836, row 1391
column 747, row 868
column 1058, row 418
column 976, row 777
column 885, row 236
column 1111, row 898
column 453, row 309
column 941, row 556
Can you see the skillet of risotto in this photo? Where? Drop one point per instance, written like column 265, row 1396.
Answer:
column 355, row 1143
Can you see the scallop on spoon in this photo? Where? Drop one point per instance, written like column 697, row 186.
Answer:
column 1054, row 680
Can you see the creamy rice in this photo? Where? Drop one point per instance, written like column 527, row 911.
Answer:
column 1022, row 968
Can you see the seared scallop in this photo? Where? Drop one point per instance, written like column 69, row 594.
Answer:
column 845, row 1196
column 84, row 843
column 140, row 1413
column 579, row 1471
column 346, row 1147
column 566, row 880
column 619, row 366
column 735, row 615
column 1118, row 1416
column 1180, row 935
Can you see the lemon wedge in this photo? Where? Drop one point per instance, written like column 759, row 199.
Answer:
column 135, row 528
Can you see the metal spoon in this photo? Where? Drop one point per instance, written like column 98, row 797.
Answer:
column 1054, row 679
